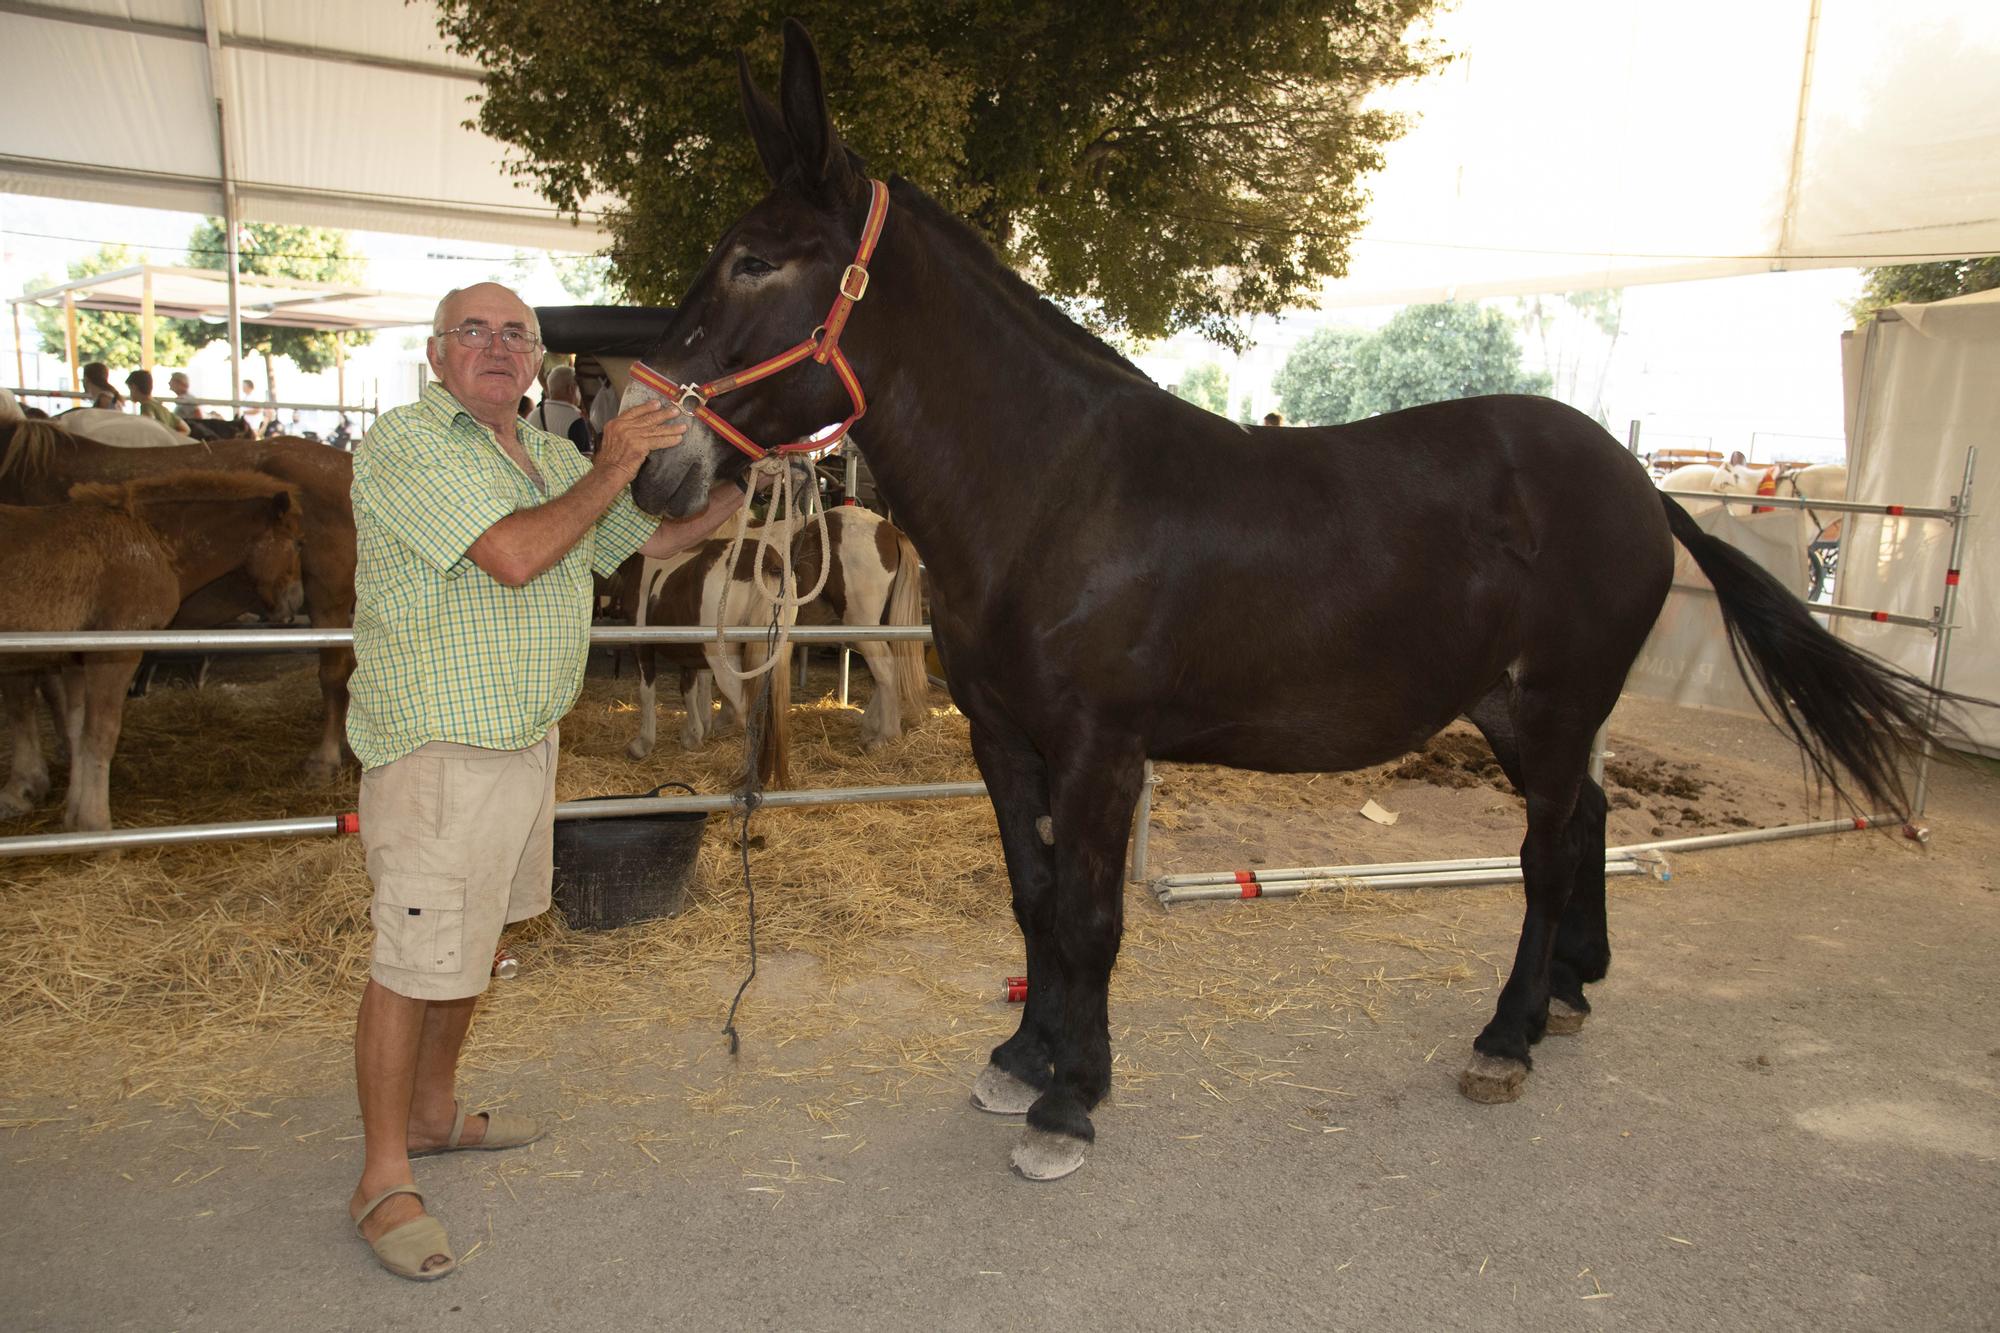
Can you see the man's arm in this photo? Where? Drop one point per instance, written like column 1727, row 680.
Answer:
column 527, row 543
column 677, row 534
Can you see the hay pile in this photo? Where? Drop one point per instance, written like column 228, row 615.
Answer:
column 226, row 975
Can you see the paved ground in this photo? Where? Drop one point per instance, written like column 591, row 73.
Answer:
column 1784, row 1114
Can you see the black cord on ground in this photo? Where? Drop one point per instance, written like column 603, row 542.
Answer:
column 748, row 797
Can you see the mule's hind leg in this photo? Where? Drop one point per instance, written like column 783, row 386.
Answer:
column 642, row 743
column 1583, row 943
column 1552, row 729
column 1017, row 780
column 1094, row 788
column 882, row 720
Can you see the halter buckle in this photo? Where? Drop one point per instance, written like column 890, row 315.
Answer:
column 854, row 282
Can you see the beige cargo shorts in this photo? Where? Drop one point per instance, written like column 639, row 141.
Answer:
column 459, row 841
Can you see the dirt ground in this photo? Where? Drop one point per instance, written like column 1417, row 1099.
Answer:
column 1784, row 1112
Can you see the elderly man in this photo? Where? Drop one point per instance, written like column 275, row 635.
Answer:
column 476, row 535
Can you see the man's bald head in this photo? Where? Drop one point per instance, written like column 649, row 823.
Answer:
column 448, row 310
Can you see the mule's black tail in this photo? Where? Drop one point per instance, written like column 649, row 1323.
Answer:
column 1847, row 710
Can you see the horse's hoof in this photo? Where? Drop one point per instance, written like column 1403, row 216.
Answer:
column 14, row 804
column 998, row 1092
column 1492, row 1080
column 638, row 749
column 1042, row 1155
column 1565, row 1020
column 317, row 769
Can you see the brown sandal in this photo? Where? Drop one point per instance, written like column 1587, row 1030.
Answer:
column 403, row 1249
column 504, row 1130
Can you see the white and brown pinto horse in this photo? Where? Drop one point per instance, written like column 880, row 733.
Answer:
column 872, row 580
column 126, row 557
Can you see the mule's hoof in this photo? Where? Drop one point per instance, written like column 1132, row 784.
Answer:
column 638, row 748
column 1492, row 1080
column 1041, row 1155
column 319, row 770
column 1000, row 1093
column 21, row 798
column 1565, row 1020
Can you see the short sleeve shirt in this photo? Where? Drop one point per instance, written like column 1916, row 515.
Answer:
column 160, row 412
column 444, row 651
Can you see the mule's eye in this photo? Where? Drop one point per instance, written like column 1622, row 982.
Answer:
column 749, row 266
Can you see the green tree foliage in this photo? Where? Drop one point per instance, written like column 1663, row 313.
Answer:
column 112, row 339
column 1167, row 166
column 315, row 254
column 1316, row 384
column 1206, row 385
column 1426, row 354
column 1897, row 284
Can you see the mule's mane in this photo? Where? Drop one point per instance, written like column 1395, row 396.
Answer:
column 178, row 488
column 27, row 447
column 1017, row 291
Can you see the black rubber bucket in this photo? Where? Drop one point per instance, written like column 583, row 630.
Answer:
column 613, row 872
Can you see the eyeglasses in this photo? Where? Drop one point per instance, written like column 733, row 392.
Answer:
column 477, row 337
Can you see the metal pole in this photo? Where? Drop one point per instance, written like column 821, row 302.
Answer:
column 48, row 844
column 846, row 662
column 20, row 357
column 147, row 327
column 1757, row 835
column 267, row 640
column 1349, row 871
column 1142, row 826
column 230, row 221
column 69, row 342
column 1941, row 653
column 1632, row 437
column 1442, row 879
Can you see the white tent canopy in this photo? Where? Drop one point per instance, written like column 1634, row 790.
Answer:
column 1572, row 143
column 338, row 115
column 1577, row 144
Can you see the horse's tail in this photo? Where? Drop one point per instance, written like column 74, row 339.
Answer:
column 906, row 608
column 1847, row 710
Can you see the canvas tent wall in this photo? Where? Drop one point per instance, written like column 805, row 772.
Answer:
column 1923, row 386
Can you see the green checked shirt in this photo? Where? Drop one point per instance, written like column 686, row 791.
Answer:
column 444, row 652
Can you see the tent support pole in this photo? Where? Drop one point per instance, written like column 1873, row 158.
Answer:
column 20, row 357
column 1941, row 655
column 229, row 219
column 148, row 326
column 69, row 342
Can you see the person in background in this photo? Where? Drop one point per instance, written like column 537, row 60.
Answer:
column 184, row 405
column 140, row 385
column 10, row 410
column 561, row 410
column 98, row 391
column 1274, row 418
column 597, row 398
column 475, row 537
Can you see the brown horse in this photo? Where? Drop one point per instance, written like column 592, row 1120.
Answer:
column 1117, row 575
column 39, row 462
column 874, row 581
column 127, row 557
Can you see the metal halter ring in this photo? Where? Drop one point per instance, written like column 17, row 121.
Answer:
column 698, row 401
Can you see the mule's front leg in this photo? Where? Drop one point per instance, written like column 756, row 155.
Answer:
column 647, row 736
column 1017, row 781
column 1094, row 789
column 106, row 677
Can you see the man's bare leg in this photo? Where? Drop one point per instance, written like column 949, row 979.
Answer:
column 434, row 1100
column 389, row 1040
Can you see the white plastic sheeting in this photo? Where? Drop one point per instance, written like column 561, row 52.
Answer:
column 1923, row 386
column 1573, row 143
column 348, row 114
column 1686, row 659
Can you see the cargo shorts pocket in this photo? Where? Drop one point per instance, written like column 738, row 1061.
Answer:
column 420, row 922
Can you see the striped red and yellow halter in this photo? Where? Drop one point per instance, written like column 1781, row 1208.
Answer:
column 823, row 346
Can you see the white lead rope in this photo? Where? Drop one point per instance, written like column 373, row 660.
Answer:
column 781, row 523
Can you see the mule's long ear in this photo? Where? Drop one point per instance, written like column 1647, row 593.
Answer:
column 767, row 128
column 822, row 158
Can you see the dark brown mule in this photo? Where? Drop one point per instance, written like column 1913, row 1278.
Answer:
column 1118, row 575
column 873, row 581
column 39, row 462
column 127, row 557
